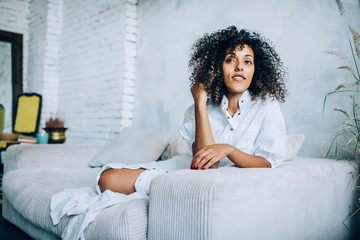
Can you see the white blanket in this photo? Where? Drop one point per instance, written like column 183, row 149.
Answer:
column 83, row 204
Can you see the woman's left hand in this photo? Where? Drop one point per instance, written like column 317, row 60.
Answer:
column 209, row 156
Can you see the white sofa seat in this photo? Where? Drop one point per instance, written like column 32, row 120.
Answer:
column 305, row 198
column 29, row 191
column 30, row 180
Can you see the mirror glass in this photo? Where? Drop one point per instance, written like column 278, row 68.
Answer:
column 6, row 84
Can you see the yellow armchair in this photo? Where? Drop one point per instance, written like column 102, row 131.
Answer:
column 28, row 114
column 27, row 117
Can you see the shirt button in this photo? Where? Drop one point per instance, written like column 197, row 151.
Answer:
column 238, row 113
column 231, row 129
column 228, row 117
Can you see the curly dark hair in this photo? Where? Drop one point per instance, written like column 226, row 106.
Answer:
column 208, row 53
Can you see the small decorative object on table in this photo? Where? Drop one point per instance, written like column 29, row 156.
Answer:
column 42, row 138
column 56, row 130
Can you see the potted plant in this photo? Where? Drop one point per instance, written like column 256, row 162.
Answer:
column 56, row 130
column 345, row 142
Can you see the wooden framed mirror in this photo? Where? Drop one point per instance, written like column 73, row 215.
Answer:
column 12, row 42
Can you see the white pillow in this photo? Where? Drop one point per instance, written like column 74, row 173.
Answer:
column 132, row 146
column 293, row 145
column 177, row 147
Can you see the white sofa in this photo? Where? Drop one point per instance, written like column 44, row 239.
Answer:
column 305, row 198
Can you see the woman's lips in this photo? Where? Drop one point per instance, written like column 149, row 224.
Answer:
column 238, row 77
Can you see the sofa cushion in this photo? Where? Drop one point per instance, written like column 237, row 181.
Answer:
column 49, row 155
column 131, row 146
column 177, row 147
column 307, row 198
column 293, row 145
column 29, row 192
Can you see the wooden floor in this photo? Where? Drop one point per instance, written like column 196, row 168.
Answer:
column 10, row 231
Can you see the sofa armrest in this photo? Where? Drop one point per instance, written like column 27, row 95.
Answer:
column 49, row 155
column 305, row 198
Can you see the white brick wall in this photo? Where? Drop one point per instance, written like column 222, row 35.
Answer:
column 82, row 58
column 97, row 68
column 44, row 46
column 39, row 22
column 51, row 59
column 37, row 43
column 129, row 63
column 14, row 18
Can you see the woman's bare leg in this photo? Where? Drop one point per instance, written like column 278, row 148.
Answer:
column 119, row 180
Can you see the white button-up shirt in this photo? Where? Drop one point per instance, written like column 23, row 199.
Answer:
column 258, row 128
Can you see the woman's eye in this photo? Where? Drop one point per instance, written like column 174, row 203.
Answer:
column 248, row 62
column 230, row 60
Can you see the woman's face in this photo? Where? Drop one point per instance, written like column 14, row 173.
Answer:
column 238, row 69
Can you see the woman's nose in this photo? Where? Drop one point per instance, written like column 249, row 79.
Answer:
column 238, row 67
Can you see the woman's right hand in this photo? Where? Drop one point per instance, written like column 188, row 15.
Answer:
column 199, row 93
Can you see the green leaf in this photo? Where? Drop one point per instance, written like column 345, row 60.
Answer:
column 352, row 51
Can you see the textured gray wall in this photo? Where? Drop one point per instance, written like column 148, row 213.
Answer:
column 300, row 30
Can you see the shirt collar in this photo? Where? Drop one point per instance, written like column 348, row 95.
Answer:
column 245, row 98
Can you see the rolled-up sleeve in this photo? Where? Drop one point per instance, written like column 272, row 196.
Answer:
column 187, row 129
column 270, row 143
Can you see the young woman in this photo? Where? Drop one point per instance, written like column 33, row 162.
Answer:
column 237, row 80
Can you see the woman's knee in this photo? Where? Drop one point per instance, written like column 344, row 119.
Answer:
column 107, row 180
column 119, row 180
